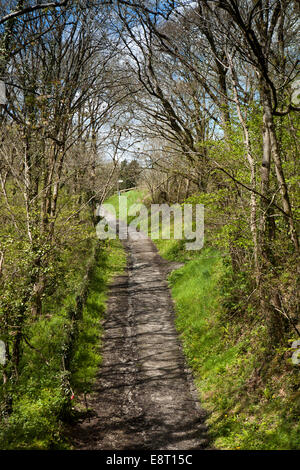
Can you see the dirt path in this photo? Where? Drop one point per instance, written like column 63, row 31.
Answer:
column 144, row 396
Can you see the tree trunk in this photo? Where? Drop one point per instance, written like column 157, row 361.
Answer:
column 275, row 153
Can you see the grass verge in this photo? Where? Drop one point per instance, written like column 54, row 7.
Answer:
column 39, row 401
column 252, row 404
column 87, row 358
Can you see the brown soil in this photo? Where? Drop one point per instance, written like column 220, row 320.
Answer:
column 144, row 397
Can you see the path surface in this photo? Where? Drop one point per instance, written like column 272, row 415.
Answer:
column 144, row 397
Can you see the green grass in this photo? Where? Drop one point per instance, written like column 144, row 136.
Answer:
column 42, row 394
column 133, row 197
column 251, row 395
column 225, row 357
column 251, row 403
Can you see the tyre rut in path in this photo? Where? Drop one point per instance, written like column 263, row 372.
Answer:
column 144, row 397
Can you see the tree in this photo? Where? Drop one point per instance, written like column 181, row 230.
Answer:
column 199, row 97
column 129, row 173
column 59, row 99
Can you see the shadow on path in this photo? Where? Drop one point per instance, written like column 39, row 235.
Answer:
column 144, row 397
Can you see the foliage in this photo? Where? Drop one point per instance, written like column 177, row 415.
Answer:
column 249, row 391
column 44, row 385
column 129, row 173
column 208, row 113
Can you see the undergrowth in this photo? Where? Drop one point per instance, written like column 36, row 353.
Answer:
column 251, row 393
column 45, row 387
